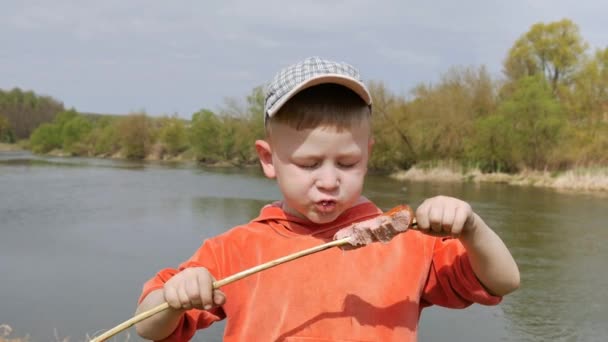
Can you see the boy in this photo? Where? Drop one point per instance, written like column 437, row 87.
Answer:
column 318, row 142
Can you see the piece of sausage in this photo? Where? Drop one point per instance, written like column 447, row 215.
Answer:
column 381, row 228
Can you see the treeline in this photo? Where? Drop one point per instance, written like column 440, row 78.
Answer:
column 22, row 111
column 548, row 112
column 208, row 137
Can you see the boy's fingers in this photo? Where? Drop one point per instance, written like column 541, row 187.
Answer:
column 422, row 217
column 205, row 288
column 219, row 298
column 183, row 298
column 459, row 220
column 447, row 223
column 172, row 298
column 191, row 288
column 194, row 295
column 435, row 216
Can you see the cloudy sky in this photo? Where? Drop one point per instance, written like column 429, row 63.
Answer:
column 165, row 57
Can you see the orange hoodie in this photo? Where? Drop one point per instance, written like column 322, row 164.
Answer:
column 374, row 293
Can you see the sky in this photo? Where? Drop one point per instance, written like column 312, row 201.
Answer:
column 167, row 57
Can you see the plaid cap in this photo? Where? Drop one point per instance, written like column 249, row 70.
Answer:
column 307, row 73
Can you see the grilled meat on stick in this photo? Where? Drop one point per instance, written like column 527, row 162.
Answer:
column 382, row 228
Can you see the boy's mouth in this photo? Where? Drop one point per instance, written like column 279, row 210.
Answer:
column 326, row 206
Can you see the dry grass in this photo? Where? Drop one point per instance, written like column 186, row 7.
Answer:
column 583, row 179
column 9, row 148
column 580, row 179
column 443, row 171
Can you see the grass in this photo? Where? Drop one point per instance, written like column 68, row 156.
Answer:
column 582, row 179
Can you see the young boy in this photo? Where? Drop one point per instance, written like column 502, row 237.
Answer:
column 317, row 146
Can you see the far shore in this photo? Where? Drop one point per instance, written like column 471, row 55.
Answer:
column 577, row 180
column 9, row 147
column 582, row 179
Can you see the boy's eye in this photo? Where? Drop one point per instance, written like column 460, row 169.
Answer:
column 308, row 165
column 347, row 165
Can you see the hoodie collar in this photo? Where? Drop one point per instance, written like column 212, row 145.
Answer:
column 290, row 225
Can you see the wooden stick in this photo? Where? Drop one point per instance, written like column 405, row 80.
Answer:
column 217, row 284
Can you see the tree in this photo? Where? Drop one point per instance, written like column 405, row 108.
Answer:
column 73, row 132
column 205, row 136
column 535, row 122
column 135, row 135
column 441, row 116
column 255, row 109
column 64, row 117
column 494, row 146
column 552, row 50
column 241, row 124
column 173, row 135
column 393, row 147
column 587, row 106
column 25, row 110
column 6, row 134
column 49, row 136
column 588, row 103
column 45, row 138
column 255, row 104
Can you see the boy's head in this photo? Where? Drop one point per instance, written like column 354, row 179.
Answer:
column 318, row 137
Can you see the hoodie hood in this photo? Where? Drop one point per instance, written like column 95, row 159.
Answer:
column 274, row 216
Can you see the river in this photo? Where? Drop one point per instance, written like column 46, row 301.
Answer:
column 78, row 237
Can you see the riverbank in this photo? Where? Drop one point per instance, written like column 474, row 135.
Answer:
column 156, row 154
column 578, row 179
column 9, row 147
column 590, row 179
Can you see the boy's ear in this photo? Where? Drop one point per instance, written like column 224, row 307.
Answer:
column 264, row 151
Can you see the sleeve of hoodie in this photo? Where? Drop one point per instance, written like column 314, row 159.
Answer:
column 194, row 319
column 451, row 281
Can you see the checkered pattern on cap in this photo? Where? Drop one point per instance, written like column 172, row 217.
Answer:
column 297, row 74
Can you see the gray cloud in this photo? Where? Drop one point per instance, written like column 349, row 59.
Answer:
column 119, row 56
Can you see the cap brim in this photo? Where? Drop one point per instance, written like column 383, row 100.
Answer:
column 348, row 82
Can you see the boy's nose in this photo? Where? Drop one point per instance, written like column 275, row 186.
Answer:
column 327, row 178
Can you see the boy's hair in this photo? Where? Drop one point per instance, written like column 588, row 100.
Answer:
column 324, row 104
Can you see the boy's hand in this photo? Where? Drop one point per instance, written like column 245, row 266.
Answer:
column 192, row 288
column 445, row 216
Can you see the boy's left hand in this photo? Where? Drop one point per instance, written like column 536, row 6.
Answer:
column 445, row 216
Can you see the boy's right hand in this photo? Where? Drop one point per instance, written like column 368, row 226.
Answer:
column 192, row 288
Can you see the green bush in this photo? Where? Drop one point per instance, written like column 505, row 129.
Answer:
column 73, row 133
column 173, row 135
column 205, row 136
column 46, row 138
column 135, row 135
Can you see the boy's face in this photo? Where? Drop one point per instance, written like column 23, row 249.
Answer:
column 320, row 171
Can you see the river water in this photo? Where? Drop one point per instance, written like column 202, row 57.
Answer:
column 79, row 237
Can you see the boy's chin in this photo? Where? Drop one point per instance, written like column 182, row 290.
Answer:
column 323, row 218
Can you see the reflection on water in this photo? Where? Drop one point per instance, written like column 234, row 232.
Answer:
column 80, row 236
column 559, row 242
column 233, row 211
